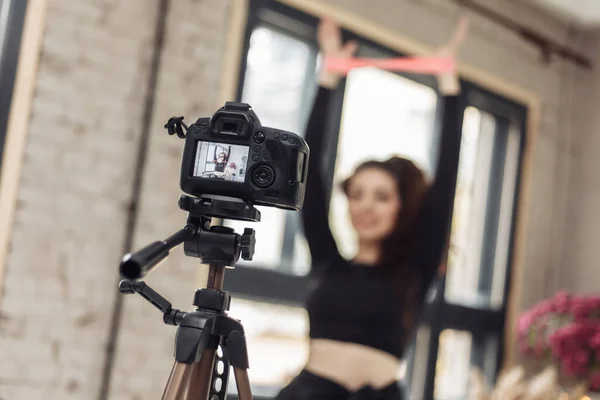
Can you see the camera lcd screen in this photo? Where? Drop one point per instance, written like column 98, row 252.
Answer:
column 221, row 161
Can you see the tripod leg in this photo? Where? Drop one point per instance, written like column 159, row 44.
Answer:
column 242, row 383
column 201, row 377
column 178, row 381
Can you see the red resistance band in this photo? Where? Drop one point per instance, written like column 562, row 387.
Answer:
column 419, row 65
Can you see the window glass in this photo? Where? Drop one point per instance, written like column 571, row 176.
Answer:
column 459, row 352
column 278, row 77
column 472, row 278
column 4, row 13
column 453, row 365
column 301, row 254
column 418, row 357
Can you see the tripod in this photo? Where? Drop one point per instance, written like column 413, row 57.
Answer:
column 200, row 371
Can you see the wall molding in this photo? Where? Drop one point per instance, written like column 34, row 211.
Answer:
column 18, row 123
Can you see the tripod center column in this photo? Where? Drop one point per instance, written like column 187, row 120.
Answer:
column 216, row 276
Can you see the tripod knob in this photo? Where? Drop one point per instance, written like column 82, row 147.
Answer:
column 248, row 242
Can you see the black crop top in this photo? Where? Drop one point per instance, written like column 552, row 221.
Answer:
column 355, row 303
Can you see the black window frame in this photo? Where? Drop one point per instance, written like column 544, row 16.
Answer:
column 278, row 286
column 481, row 323
column 10, row 46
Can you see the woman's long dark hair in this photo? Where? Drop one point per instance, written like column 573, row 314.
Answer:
column 412, row 187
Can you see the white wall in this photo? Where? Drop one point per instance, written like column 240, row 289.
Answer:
column 579, row 269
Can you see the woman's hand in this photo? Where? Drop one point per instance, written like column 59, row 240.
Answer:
column 330, row 42
column 448, row 82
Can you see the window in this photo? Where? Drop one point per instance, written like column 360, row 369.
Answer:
column 465, row 319
column 463, row 323
column 12, row 16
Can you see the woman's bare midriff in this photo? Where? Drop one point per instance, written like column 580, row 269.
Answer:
column 351, row 365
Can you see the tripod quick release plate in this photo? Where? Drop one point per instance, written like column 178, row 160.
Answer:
column 219, row 207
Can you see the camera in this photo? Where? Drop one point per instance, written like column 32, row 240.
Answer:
column 231, row 154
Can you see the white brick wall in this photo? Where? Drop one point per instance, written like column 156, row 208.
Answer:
column 80, row 157
column 188, row 85
column 68, row 234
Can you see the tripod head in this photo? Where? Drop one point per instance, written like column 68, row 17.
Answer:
column 217, row 245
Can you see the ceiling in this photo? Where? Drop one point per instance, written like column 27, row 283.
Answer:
column 584, row 13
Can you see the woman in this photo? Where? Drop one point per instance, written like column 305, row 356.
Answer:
column 221, row 159
column 363, row 311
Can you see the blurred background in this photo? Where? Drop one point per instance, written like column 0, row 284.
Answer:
column 88, row 173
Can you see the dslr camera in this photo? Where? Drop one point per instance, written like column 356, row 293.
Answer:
column 231, row 154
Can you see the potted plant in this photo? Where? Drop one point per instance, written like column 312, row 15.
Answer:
column 565, row 330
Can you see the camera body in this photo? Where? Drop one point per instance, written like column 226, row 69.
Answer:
column 232, row 154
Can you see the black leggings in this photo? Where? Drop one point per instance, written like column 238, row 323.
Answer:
column 308, row 386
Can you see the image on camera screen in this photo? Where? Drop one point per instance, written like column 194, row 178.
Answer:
column 221, row 161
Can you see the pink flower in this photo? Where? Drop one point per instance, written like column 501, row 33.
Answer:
column 568, row 328
column 569, row 366
column 575, row 363
column 539, row 348
column 595, row 303
column 524, row 323
column 582, row 357
column 580, row 312
column 561, row 302
column 595, row 380
column 546, row 307
column 595, row 344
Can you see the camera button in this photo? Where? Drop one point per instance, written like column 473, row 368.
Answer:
column 257, row 149
column 204, row 131
column 259, row 137
column 292, row 140
column 255, row 157
column 276, row 135
column 284, row 137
